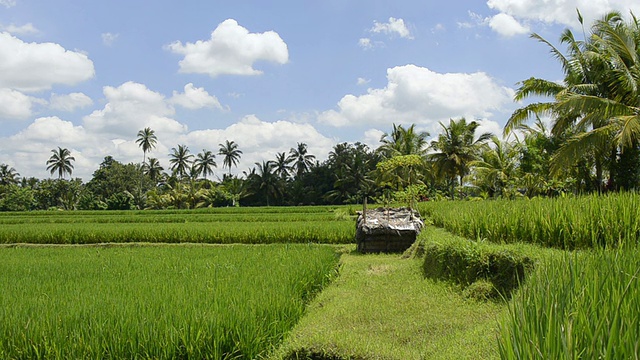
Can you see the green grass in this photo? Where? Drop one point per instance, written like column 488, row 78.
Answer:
column 568, row 223
column 382, row 307
column 581, row 306
column 160, row 302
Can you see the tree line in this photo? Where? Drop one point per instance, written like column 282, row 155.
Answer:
column 591, row 145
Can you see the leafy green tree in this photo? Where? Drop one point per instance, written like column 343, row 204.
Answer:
column 455, row 148
column 180, row 160
column 8, row 175
column 301, row 159
column 231, row 154
column 112, row 177
column 204, row 163
column 16, row 198
column 60, row 162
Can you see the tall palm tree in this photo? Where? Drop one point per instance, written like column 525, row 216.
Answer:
column 231, row 154
column 8, row 175
column 153, row 169
column 60, row 162
column 301, row 159
column 455, row 148
column 180, row 160
column 204, row 163
column 147, row 141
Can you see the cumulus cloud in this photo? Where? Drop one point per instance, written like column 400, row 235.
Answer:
column 561, row 11
column 108, row 38
column 418, row 95
column 232, row 50
column 38, row 66
column 69, row 102
column 507, row 25
column 265, row 139
column 365, row 43
column 195, row 98
column 393, row 27
column 131, row 107
column 20, row 30
column 14, row 105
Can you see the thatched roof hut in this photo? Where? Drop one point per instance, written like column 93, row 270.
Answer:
column 387, row 229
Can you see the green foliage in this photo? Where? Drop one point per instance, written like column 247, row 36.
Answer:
column 155, row 302
column 465, row 262
column 16, row 198
column 580, row 306
column 564, row 222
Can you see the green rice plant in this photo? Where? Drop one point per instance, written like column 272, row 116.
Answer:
column 569, row 223
column 581, row 306
column 156, row 302
column 330, row 232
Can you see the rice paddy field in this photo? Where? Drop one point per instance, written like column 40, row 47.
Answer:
column 155, row 302
column 232, row 283
column 326, row 225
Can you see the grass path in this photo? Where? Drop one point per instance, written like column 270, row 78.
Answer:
column 381, row 307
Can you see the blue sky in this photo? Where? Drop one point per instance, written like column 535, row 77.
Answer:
column 88, row 75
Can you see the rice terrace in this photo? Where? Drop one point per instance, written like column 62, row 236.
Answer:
column 468, row 246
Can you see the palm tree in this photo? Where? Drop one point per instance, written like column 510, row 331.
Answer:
column 60, row 162
column 403, row 141
column 231, row 154
column 266, row 181
column 180, row 160
column 302, row 161
column 8, row 175
column 205, row 163
column 147, row 141
column 496, row 168
column 281, row 165
column 455, row 148
column 153, row 169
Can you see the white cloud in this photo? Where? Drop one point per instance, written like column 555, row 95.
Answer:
column 131, row 107
column 195, row 98
column 393, row 27
column 108, row 38
column 418, row 95
column 232, row 50
column 266, row 139
column 69, row 102
column 507, row 25
column 14, row 104
column 561, row 11
column 20, row 30
column 38, row 66
column 365, row 43
column 372, row 138
column 8, row 3
column 363, row 81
